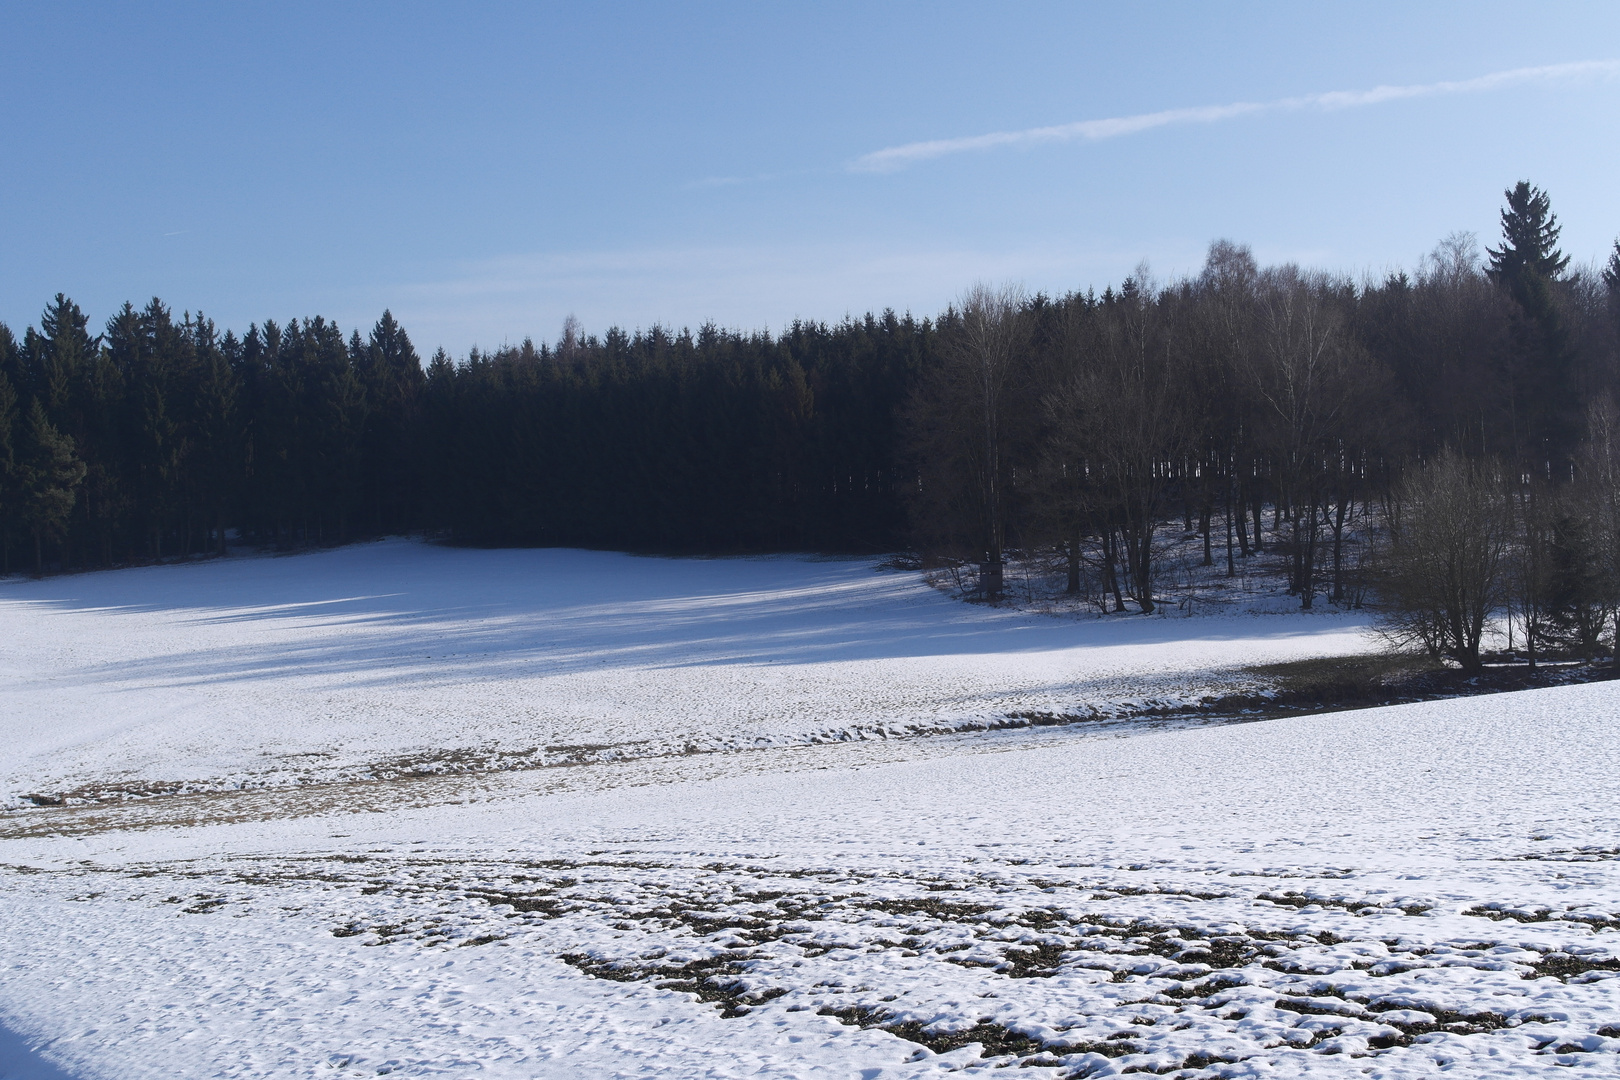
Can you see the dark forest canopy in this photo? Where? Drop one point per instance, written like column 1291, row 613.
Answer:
column 1009, row 422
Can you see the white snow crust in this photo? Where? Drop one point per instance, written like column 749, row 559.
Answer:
column 1413, row 891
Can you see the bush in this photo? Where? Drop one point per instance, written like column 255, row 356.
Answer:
column 1446, row 560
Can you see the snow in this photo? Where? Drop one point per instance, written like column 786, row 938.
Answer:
column 18, row 1061
column 399, row 657
column 1390, row 892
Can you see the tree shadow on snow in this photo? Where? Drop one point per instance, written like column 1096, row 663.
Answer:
column 19, row 1061
column 392, row 613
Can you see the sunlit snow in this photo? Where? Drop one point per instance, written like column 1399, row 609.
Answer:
column 1385, row 893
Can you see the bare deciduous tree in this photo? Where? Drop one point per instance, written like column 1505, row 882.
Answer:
column 1228, row 309
column 1447, row 562
column 1307, row 376
column 1602, row 470
column 960, row 418
column 1119, row 420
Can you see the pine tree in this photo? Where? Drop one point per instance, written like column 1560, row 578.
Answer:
column 1529, row 237
column 215, row 429
column 1544, row 405
column 58, row 353
column 393, row 378
column 8, row 465
column 152, row 355
column 50, row 473
column 98, row 432
column 10, row 358
column 1576, row 587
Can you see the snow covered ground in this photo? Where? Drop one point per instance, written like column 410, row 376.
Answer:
column 1393, row 892
column 396, row 658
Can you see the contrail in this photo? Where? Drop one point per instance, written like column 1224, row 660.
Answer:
column 895, row 158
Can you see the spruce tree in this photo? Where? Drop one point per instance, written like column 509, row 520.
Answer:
column 59, row 353
column 1577, row 589
column 215, row 428
column 393, row 378
column 8, row 466
column 1529, row 237
column 10, row 358
column 50, row 473
column 1544, row 403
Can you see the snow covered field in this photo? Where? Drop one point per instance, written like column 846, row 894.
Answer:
column 396, row 658
column 1384, row 893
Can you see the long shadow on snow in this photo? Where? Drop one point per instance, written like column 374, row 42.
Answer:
column 392, row 609
column 19, row 1061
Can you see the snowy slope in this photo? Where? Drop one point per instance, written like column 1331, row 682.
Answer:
column 399, row 657
column 1393, row 892
column 1379, row 893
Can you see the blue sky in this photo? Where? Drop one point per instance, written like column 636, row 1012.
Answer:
column 485, row 170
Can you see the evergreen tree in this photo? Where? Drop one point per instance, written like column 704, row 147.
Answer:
column 215, row 427
column 392, row 375
column 50, row 474
column 57, row 353
column 153, row 358
column 10, row 503
column 11, row 359
column 1529, row 237
column 1544, row 405
column 99, row 435
column 1576, row 588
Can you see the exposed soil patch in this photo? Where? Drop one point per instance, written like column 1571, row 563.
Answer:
column 1564, row 966
column 745, row 934
column 712, row 979
column 1597, row 920
column 995, row 1039
column 937, row 909
column 1367, row 681
column 1443, row 1020
column 1294, row 688
column 1355, row 907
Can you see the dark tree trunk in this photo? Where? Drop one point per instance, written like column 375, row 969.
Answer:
column 1231, row 565
column 1203, row 523
column 1295, row 555
column 1137, row 549
column 1338, row 549
column 1242, row 520
column 1110, row 571
column 1305, row 553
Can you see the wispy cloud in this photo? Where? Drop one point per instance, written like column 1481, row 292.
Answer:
column 895, row 158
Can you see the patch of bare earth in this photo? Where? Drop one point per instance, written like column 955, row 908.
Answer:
column 1046, row 966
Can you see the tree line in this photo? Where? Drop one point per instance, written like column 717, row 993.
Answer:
column 162, row 437
column 1272, row 409
column 1462, row 416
